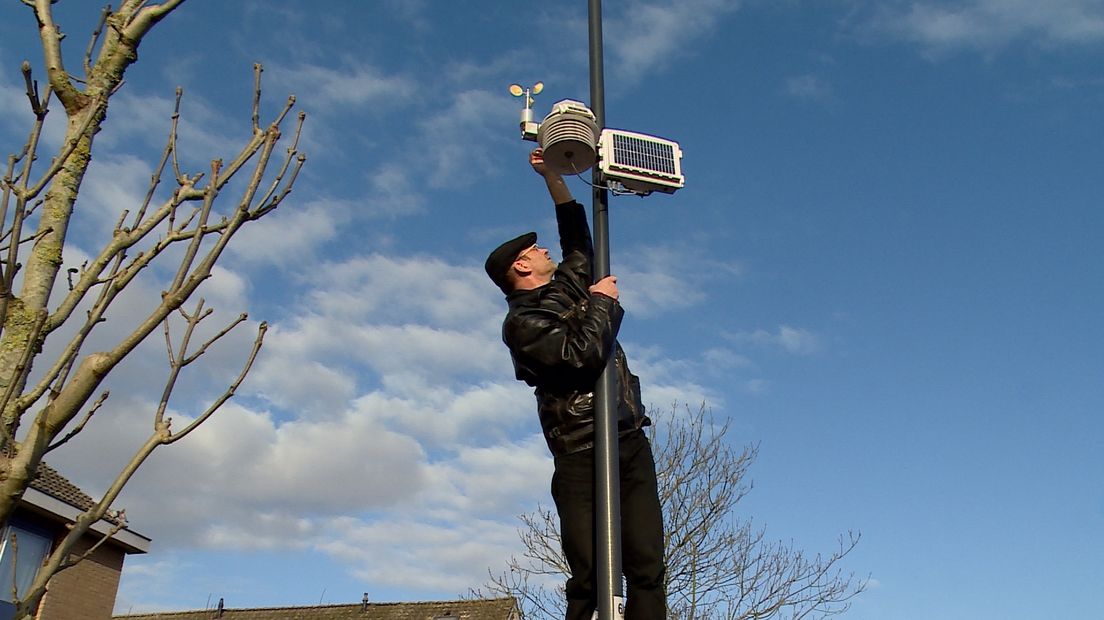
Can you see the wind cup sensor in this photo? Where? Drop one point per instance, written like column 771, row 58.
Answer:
column 528, row 126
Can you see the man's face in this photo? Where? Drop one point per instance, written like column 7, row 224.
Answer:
column 537, row 259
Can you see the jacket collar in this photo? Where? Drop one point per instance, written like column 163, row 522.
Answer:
column 522, row 297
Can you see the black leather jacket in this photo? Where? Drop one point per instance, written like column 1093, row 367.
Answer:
column 560, row 337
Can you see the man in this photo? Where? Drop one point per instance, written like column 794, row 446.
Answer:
column 561, row 330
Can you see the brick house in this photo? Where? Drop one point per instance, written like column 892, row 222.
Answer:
column 481, row 609
column 85, row 591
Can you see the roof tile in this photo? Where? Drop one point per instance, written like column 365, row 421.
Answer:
column 50, row 482
column 480, row 609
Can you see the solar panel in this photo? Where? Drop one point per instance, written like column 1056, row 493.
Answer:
column 641, row 163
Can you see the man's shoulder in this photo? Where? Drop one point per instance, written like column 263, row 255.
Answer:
column 522, row 304
column 524, row 322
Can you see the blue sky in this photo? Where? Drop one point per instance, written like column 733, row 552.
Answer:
column 884, row 269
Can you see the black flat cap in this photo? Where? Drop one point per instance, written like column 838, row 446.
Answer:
column 498, row 263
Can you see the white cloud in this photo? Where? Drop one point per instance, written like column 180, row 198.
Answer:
column 649, row 35
column 113, row 184
column 225, row 289
column 422, row 349
column 663, row 278
column 300, row 384
column 462, row 72
column 432, row 432
column 439, row 417
column 295, row 233
column 456, row 136
column 204, row 131
column 349, row 487
column 441, row 556
column 797, row 340
column 409, row 325
column 423, row 470
column 16, row 118
column 756, row 386
column 725, row 359
column 454, row 146
column 808, row 86
column 463, row 136
column 794, row 340
column 394, row 191
column 147, row 578
column 489, row 481
column 241, row 463
column 988, row 25
column 408, row 10
column 341, row 464
column 402, row 289
column 664, row 395
column 665, row 380
column 267, row 531
column 330, row 89
column 15, row 109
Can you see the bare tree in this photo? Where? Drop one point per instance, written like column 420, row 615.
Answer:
column 182, row 226
column 719, row 566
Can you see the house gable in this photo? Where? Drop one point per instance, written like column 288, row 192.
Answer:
column 86, row 590
column 51, row 496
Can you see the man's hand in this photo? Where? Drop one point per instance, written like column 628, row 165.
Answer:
column 606, row 286
column 557, row 189
column 536, row 160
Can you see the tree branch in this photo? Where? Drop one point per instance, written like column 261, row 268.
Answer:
column 120, row 524
column 92, row 42
column 80, row 427
column 50, row 35
column 229, row 393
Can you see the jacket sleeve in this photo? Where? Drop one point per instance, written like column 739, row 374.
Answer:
column 575, row 238
column 551, row 351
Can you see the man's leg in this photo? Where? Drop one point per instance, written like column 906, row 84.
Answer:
column 573, row 492
column 641, row 531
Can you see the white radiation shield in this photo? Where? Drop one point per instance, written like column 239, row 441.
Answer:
column 569, row 137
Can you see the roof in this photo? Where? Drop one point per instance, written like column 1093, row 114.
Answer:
column 52, row 495
column 480, row 609
column 50, row 482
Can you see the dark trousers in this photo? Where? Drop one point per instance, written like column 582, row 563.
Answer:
column 641, row 530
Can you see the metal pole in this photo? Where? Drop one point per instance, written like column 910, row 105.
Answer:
column 607, row 493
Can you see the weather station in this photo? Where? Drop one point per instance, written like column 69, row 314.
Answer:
column 628, row 162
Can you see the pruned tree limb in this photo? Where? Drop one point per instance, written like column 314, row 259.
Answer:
column 230, row 391
column 80, row 426
column 93, row 39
